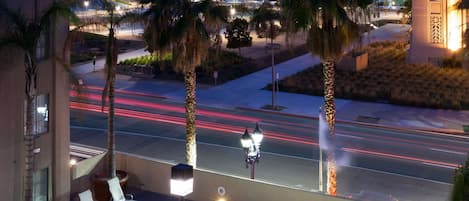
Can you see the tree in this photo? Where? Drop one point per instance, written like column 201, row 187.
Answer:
column 460, row 190
column 360, row 12
column 182, row 26
column 329, row 31
column 266, row 21
column 24, row 33
column 237, row 34
column 111, row 54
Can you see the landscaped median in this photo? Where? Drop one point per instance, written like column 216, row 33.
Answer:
column 228, row 66
column 389, row 79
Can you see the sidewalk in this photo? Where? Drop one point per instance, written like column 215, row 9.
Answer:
column 247, row 92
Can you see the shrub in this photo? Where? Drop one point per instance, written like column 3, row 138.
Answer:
column 389, row 78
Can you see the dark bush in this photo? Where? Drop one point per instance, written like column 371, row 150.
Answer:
column 388, row 78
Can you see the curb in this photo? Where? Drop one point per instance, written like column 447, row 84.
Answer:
column 126, row 92
column 390, row 127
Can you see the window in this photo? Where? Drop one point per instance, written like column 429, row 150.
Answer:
column 42, row 45
column 41, row 185
column 41, row 114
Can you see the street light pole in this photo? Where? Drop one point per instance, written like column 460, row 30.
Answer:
column 252, row 171
column 273, row 70
column 321, row 179
column 322, row 143
column 251, row 144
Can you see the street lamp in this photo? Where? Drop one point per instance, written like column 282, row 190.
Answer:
column 232, row 12
column 86, row 3
column 251, row 144
column 182, row 180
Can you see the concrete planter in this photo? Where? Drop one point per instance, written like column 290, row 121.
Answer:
column 101, row 188
column 354, row 62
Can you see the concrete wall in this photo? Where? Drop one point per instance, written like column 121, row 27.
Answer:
column 421, row 49
column 52, row 80
column 152, row 175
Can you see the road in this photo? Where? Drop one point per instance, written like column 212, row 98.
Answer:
column 409, row 165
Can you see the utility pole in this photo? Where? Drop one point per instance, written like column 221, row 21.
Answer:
column 273, row 73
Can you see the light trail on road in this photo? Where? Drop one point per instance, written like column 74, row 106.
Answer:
column 239, row 130
column 294, row 126
column 423, row 161
column 166, row 107
column 181, row 121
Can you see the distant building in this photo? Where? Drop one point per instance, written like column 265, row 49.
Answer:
column 51, row 179
column 437, row 30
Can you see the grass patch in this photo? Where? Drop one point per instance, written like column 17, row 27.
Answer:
column 145, row 60
column 87, row 45
column 389, row 79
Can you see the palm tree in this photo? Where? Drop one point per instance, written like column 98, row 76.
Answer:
column 265, row 20
column 24, row 33
column 182, row 25
column 329, row 31
column 112, row 51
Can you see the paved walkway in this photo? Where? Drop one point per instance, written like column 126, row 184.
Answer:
column 247, row 92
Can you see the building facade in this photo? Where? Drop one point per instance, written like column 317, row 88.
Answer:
column 437, row 30
column 51, row 178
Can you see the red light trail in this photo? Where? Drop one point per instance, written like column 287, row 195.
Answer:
column 239, row 130
column 400, row 157
column 296, row 126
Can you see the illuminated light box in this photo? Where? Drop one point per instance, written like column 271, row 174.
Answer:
column 182, row 180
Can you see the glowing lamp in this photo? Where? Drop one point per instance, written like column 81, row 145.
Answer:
column 41, row 110
column 246, row 140
column 86, row 3
column 182, row 180
column 73, row 162
column 257, row 135
column 232, row 11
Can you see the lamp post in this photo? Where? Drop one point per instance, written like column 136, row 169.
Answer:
column 321, row 135
column 86, row 3
column 182, row 180
column 232, row 12
column 251, row 144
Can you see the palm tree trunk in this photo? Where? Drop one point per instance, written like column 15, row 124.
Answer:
column 29, row 146
column 110, row 127
column 30, row 91
column 112, row 62
column 191, row 149
column 329, row 82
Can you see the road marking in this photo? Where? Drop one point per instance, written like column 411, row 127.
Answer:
column 350, row 136
column 266, row 153
column 437, row 165
column 448, row 151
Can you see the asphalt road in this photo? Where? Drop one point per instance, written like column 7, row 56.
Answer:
column 409, row 165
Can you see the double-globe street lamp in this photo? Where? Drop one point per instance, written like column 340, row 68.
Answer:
column 251, row 144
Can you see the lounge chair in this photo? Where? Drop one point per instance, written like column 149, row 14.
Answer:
column 86, row 195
